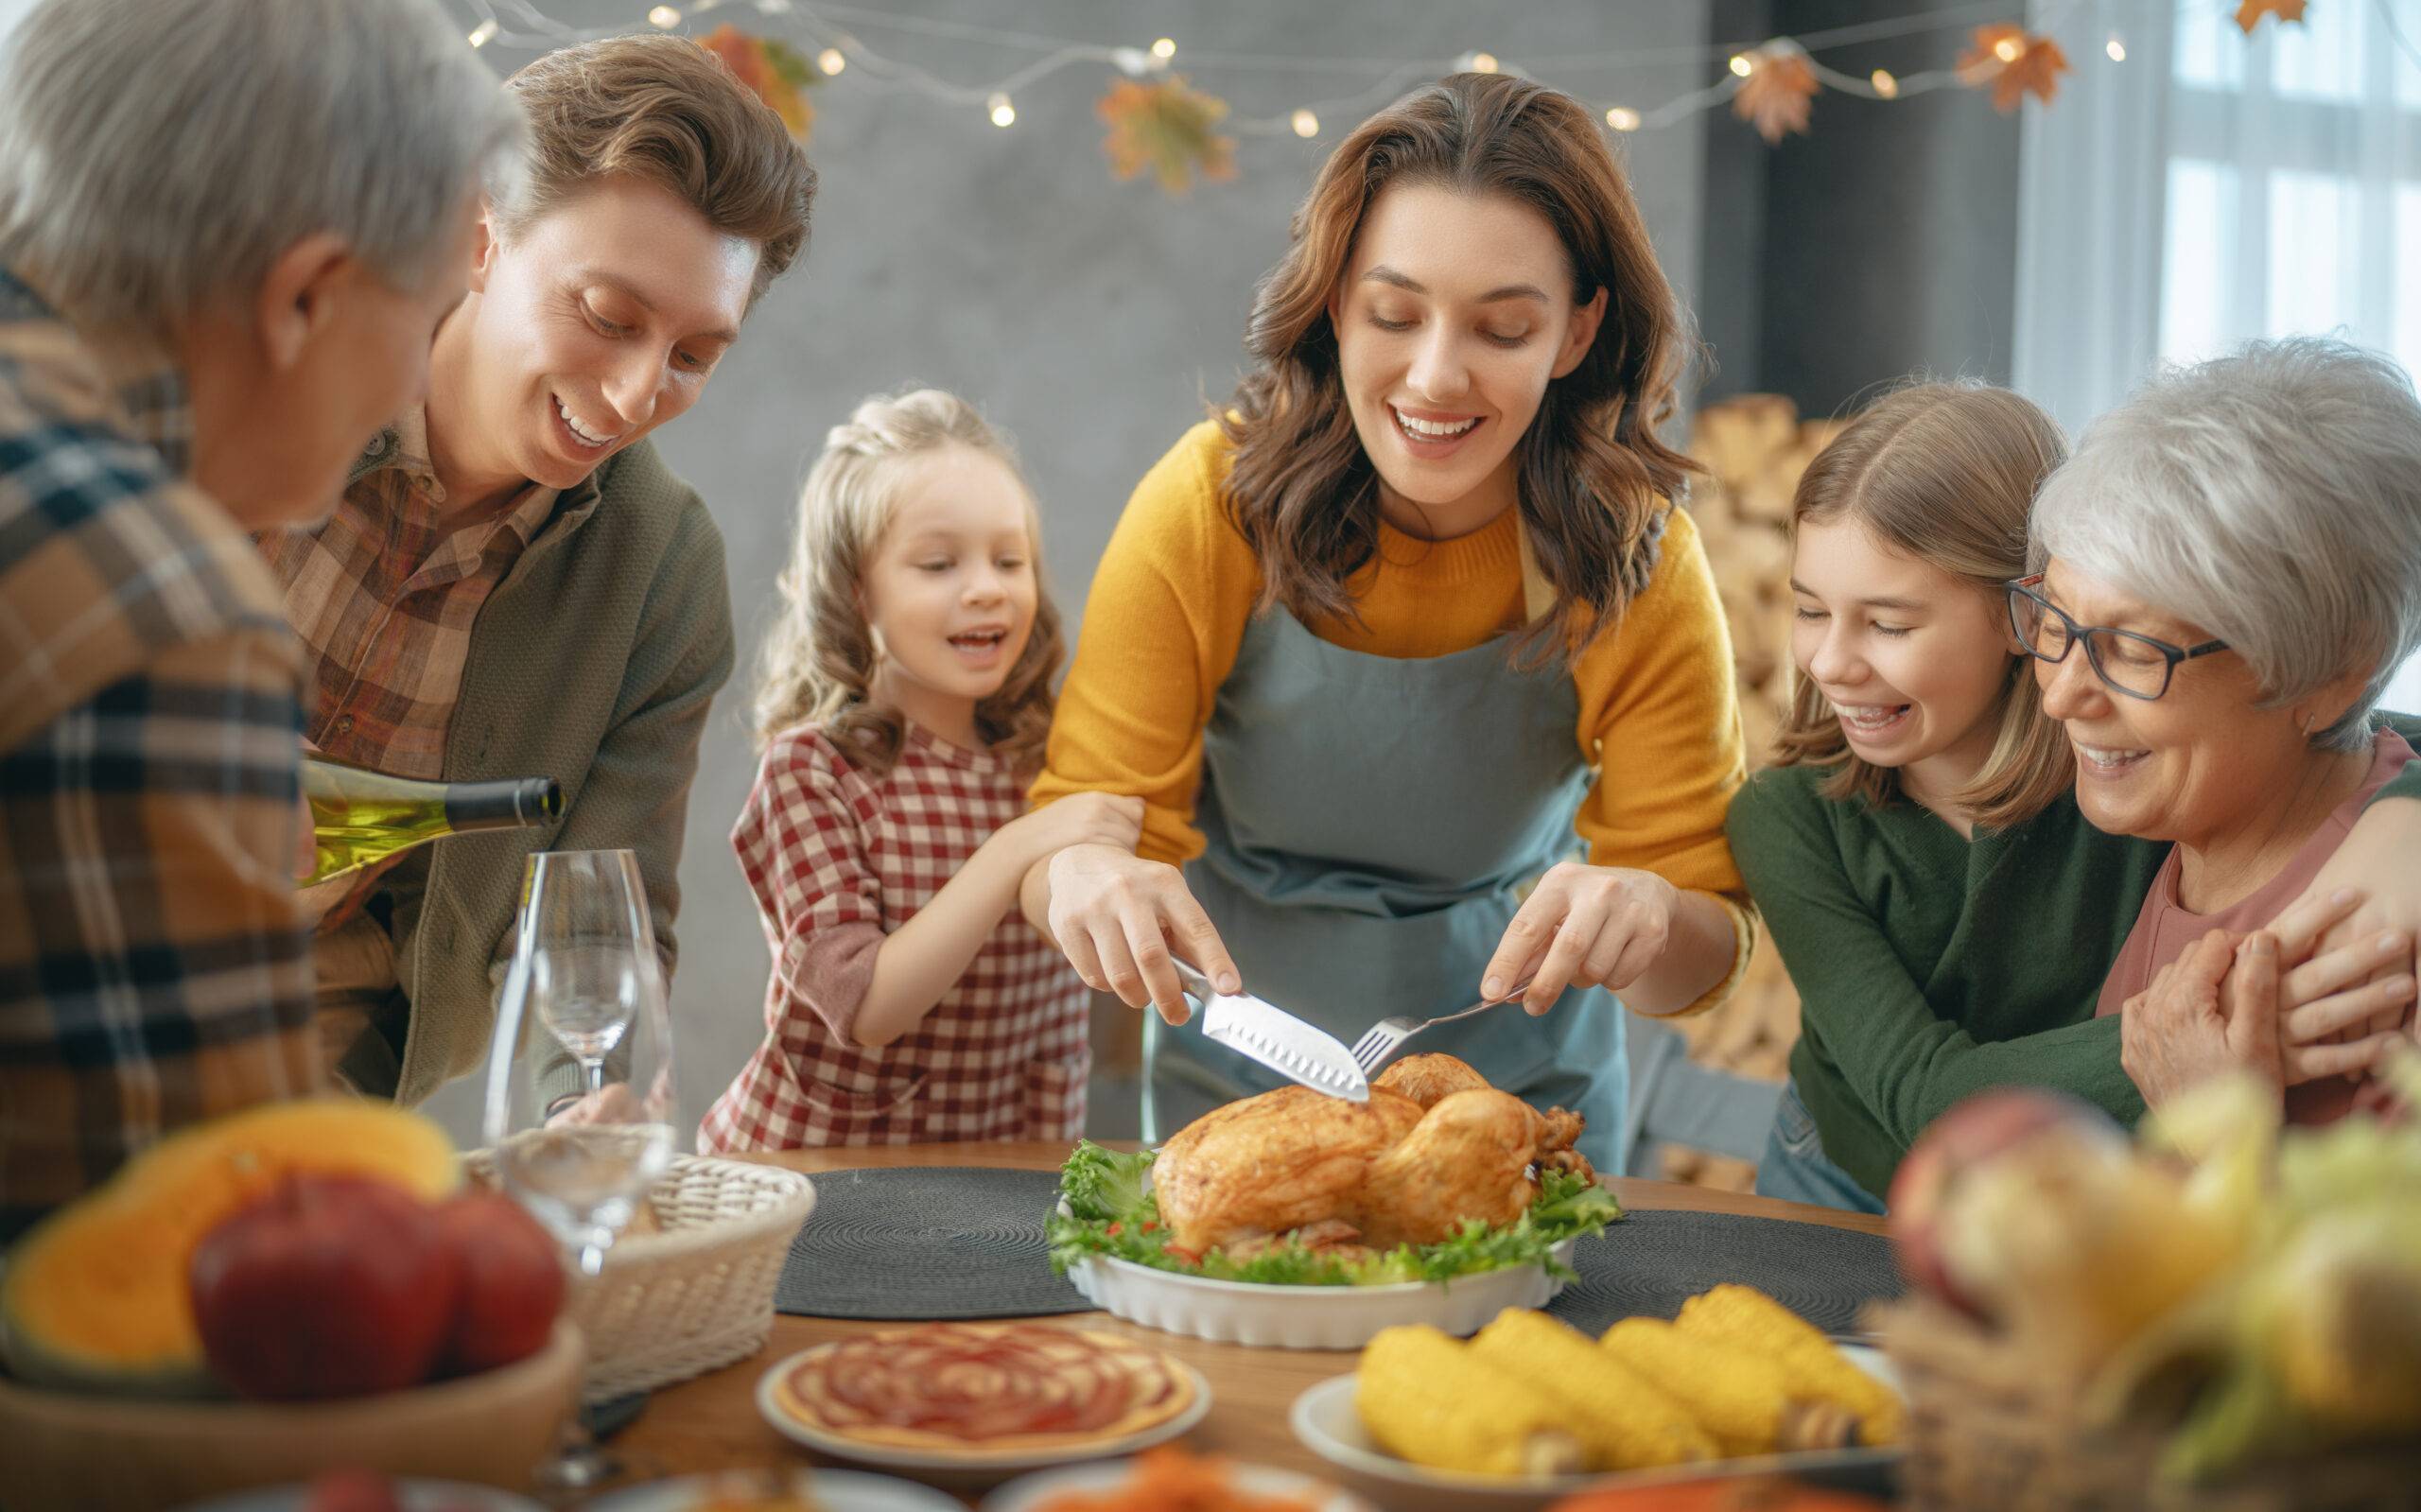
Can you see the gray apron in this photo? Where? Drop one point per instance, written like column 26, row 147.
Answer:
column 1369, row 821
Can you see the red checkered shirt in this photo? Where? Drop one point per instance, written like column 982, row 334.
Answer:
column 838, row 859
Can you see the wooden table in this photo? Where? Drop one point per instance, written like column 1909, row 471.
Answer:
column 712, row 1422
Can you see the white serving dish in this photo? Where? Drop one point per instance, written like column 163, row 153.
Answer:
column 1325, row 1422
column 833, row 1490
column 1028, row 1492
column 1306, row 1317
column 974, row 1468
column 415, row 1496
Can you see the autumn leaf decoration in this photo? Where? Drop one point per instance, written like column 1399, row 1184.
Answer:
column 1776, row 94
column 2249, row 14
column 1167, row 126
column 772, row 69
column 2014, row 62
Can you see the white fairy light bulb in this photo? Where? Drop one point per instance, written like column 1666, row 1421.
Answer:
column 1306, row 124
column 2007, row 49
column 667, row 17
column 2115, row 48
column 1164, row 49
column 1622, row 118
column 1003, row 113
column 1884, row 85
column 1741, row 66
column 1483, row 62
column 831, row 61
column 483, row 33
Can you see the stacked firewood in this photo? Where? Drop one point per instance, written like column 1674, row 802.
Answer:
column 1754, row 448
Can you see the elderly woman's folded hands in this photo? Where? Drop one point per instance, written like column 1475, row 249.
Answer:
column 2270, row 1002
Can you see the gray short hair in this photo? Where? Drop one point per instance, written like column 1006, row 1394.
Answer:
column 2272, row 497
column 157, row 156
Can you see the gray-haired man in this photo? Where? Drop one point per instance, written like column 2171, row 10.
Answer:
column 227, row 230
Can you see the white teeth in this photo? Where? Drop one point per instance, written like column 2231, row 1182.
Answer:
column 1869, row 716
column 587, row 435
column 1434, row 430
column 2106, row 758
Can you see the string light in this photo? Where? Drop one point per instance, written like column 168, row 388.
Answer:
column 775, row 8
column 1306, row 125
column 484, row 32
column 2115, row 48
column 1886, row 87
column 1164, row 49
column 1483, row 62
column 1622, row 118
column 1003, row 113
column 1741, row 66
column 2007, row 49
column 831, row 61
column 667, row 17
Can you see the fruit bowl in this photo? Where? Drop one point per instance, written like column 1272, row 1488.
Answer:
column 100, row 1453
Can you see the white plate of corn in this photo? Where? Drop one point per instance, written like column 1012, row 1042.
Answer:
column 1530, row 1410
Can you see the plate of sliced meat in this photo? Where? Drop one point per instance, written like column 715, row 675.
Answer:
column 968, row 1400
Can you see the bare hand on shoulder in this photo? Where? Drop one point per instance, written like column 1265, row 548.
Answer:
column 1115, row 914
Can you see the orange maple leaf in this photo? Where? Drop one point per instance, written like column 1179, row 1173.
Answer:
column 1166, row 126
column 2249, row 14
column 2015, row 62
column 1776, row 96
column 772, row 71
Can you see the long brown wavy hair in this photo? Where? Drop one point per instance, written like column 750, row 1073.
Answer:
column 1946, row 473
column 1595, row 479
column 819, row 656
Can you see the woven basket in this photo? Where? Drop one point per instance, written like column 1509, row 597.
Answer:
column 698, row 1292
column 1990, row 1431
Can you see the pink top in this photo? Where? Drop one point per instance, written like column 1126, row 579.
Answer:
column 2164, row 930
column 837, row 859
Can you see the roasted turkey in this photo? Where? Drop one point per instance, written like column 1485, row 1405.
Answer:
column 1435, row 1146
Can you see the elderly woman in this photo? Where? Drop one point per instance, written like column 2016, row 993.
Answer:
column 2237, row 551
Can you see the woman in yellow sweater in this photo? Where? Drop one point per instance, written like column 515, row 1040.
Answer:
column 1414, row 624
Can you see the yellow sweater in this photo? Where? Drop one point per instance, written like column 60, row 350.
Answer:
column 1177, row 585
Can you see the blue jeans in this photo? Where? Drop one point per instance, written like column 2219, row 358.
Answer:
column 1794, row 1167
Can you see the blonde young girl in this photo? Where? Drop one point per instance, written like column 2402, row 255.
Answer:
column 1946, row 912
column 906, row 695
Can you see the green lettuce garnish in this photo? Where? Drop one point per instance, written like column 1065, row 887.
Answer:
column 1112, row 1212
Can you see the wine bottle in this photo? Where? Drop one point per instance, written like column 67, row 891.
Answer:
column 360, row 816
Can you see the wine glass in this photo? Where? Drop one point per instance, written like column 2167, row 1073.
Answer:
column 582, row 1114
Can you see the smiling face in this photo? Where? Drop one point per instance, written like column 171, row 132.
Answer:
column 2192, row 764
column 1454, row 314
column 951, row 589
column 597, row 322
column 1913, row 659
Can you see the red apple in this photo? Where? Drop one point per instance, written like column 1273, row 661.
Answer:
column 1970, row 1137
column 512, row 1281
column 327, row 1286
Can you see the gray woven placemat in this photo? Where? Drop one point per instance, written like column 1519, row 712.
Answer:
column 946, row 1241
column 1651, row 1263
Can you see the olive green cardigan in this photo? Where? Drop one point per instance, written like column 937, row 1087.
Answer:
column 592, row 663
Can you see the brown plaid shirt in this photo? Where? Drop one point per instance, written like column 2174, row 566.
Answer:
column 153, row 965
column 384, row 597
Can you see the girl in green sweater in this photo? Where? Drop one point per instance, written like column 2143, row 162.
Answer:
column 1945, row 912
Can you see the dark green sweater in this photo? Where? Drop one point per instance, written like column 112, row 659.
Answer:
column 1930, row 968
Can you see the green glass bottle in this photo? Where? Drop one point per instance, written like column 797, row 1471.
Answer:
column 360, row 816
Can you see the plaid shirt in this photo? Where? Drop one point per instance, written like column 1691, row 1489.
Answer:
column 837, row 859
column 384, row 597
column 153, row 966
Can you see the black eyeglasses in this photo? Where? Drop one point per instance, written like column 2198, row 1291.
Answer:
column 2138, row 665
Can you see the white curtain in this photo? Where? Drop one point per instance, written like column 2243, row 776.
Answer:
column 2214, row 188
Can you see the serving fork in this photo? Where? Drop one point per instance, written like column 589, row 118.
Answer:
column 1380, row 1042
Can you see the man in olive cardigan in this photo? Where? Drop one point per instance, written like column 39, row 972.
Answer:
column 514, row 585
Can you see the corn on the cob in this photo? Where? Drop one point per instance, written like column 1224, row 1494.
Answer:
column 1428, row 1398
column 1738, row 1396
column 1816, row 1370
column 1623, row 1422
